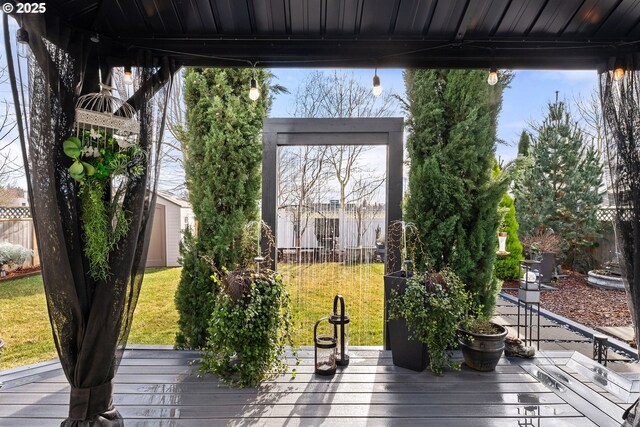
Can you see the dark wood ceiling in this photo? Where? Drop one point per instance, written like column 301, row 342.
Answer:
column 568, row 34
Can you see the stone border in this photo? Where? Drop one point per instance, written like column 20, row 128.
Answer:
column 605, row 282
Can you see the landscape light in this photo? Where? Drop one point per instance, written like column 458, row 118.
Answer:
column 618, row 74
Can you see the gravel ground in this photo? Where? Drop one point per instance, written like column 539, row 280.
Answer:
column 583, row 303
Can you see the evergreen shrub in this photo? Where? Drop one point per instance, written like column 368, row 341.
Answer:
column 507, row 267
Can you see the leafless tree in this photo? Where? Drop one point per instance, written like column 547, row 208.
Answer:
column 172, row 150
column 10, row 168
column 340, row 94
column 590, row 113
column 361, row 199
column 300, row 184
column 592, row 124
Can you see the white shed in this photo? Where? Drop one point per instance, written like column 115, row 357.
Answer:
column 171, row 217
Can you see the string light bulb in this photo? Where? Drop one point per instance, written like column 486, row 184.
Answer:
column 618, row 74
column 22, row 36
column 127, row 77
column 254, row 91
column 377, row 89
column 493, row 77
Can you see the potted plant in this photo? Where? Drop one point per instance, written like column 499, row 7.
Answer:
column 481, row 342
column 428, row 307
column 250, row 328
column 544, row 245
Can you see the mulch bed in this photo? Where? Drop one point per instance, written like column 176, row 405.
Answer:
column 577, row 300
column 23, row 272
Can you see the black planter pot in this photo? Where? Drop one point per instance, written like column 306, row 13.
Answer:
column 406, row 353
column 482, row 352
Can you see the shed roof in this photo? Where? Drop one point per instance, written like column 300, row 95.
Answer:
column 172, row 198
column 567, row 34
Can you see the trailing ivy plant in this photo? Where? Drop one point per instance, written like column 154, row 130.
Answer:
column 432, row 305
column 250, row 328
column 99, row 160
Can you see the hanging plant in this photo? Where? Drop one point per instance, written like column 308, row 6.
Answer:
column 100, row 160
column 250, row 327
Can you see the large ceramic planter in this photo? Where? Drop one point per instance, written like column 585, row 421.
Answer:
column 406, row 353
column 482, row 352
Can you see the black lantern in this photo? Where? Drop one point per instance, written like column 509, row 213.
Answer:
column 324, row 352
column 340, row 322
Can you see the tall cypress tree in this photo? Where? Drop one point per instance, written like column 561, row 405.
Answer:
column 453, row 198
column 523, row 144
column 561, row 187
column 223, row 178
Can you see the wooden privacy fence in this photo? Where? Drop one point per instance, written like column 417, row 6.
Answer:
column 16, row 227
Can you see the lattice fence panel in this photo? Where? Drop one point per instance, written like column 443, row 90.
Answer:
column 18, row 212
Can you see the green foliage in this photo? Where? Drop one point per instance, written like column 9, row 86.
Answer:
column 194, row 295
column 507, row 267
column 560, row 189
column 250, row 328
column 453, row 197
column 103, row 225
column 432, row 309
column 97, row 157
column 222, row 163
column 524, row 144
column 223, row 158
column 13, row 255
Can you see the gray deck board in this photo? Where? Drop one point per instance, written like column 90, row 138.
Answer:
column 324, row 422
column 162, row 387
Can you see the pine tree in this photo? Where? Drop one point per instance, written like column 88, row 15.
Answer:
column 223, row 178
column 561, row 188
column 453, row 198
column 507, row 267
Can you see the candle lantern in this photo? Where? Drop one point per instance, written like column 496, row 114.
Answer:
column 324, row 351
column 340, row 322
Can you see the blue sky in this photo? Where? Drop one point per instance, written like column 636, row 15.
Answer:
column 524, row 102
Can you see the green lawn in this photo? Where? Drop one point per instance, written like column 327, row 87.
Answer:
column 25, row 328
column 24, row 323
column 313, row 287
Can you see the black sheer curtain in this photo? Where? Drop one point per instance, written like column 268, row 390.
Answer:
column 90, row 319
column 620, row 100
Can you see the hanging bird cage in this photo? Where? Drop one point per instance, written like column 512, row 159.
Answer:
column 104, row 115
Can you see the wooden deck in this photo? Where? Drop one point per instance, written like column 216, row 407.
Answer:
column 157, row 386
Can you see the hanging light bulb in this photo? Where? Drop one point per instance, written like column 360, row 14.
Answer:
column 493, row 77
column 127, row 77
column 618, row 74
column 254, row 91
column 377, row 89
column 22, row 36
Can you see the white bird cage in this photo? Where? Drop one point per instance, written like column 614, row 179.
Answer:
column 103, row 111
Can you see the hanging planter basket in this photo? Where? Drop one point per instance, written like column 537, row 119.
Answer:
column 105, row 154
